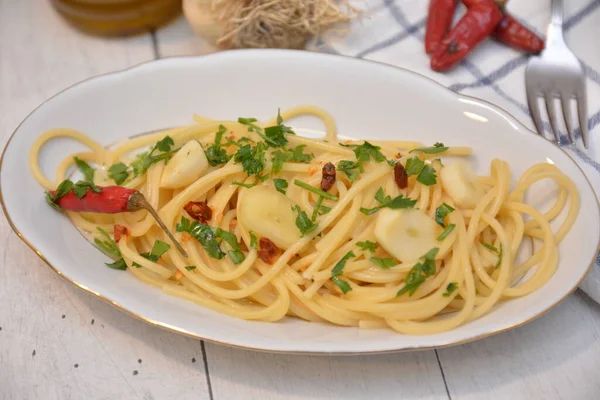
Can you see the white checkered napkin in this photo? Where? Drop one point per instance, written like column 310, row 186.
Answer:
column 393, row 33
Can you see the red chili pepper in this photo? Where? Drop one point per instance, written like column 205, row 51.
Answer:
column 477, row 24
column 511, row 32
column 439, row 20
column 110, row 200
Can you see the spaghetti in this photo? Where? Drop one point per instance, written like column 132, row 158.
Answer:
column 368, row 234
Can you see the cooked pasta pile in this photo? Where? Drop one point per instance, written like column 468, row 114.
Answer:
column 356, row 233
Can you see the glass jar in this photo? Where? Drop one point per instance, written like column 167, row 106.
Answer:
column 117, row 17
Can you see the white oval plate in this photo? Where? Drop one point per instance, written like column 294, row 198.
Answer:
column 368, row 100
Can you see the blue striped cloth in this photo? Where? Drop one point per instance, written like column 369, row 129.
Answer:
column 392, row 32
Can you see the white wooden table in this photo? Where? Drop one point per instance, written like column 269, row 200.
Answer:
column 57, row 342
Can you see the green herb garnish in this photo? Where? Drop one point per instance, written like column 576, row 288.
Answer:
column 367, row 245
column 441, row 213
column 190, row 267
column 251, row 158
column 435, row 149
column 118, row 172
column 425, row 173
column 315, row 190
column 387, row 202
column 338, row 270
column 446, row 232
column 215, row 154
column 246, row 185
column 304, row 224
column 316, row 208
column 352, row 169
column 384, row 263
column 289, row 155
column 366, row 151
column 281, row 185
column 419, row 272
column 253, row 241
column 451, row 288
column 109, row 247
column 158, row 249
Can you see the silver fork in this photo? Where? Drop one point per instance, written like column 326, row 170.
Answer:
column 557, row 73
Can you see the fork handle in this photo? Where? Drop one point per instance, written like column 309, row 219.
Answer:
column 557, row 13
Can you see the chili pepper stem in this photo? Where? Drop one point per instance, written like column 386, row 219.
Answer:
column 137, row 201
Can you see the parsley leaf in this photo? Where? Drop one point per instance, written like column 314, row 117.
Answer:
column 367, row 245
column 342, row 284
column 304, row 224
column 339, row 267
column 316, row 208
column 315, row 190
column 351, row 168
column 387, row 201
column 165, row 144
column 158, row 249
column 501, row 253
column 215, row 154
column 253, row 241
column 366, row 151
column 280, row 185
column 435, row 149
column 441, row 212
column 190, row 267
column 419, row 272
column 384, row 263
column 490, row 247
column 86, row 170
column 251, row 158
column 203, row 234
column 273, row 135
column 446, row 232
column 62, row 190
column 109, row 247
column 80, row 189
column 427, row 176
column 451, row 288
column 246, row 185
column 118, row 172
column 296, row 155
column 414, row 166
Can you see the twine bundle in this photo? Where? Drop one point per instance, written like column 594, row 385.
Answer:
column 265, row 23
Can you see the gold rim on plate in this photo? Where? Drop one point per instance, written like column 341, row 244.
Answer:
column 299, row 352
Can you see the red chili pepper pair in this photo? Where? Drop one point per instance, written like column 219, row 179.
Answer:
column 483, row 18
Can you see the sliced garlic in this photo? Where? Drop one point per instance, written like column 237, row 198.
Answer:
column 268, row 213
column 185, row 167
column 407, row 234
column 461, row 184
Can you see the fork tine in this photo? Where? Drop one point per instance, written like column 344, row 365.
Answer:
column 566, row 109
column 551, row 109
column 534, row 107
column 582, row 110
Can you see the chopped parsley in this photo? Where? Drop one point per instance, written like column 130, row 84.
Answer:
column 316, row 208
column 419, row 272
column 211, row 239
column 387, row 201
column 85, row 169
column 253, row 241
column 441, row 213
column 315, row 190
column 158, row 249
column 366, row 151
column 304, row 224
column 159, row 152
column 62, row 190
column 338, row 270
column 281, row 185
column 352, row 169
column 273, row 135
column 109, row 247
column 435, row 149
column 425, row 173
column 80, row 189
column 384, row 263
column 451, row 288
column 446, row 232
column 118, row 172
column 367, row 245
column 190, row 267
column 251, row 158
column 289, row 155
column 246, row 185
column 215, row 154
